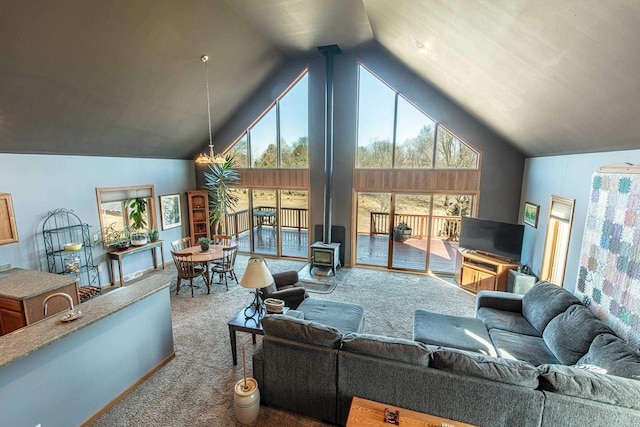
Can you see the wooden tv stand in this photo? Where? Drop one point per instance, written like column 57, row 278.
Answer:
column 476, row 272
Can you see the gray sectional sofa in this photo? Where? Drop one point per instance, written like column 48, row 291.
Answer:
column 551, row 355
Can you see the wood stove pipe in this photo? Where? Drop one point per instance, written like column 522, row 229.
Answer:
column 329, row 52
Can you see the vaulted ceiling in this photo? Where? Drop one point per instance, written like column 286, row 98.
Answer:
column 124, row 78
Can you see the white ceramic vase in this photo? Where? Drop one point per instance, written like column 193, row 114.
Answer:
column 246, row 402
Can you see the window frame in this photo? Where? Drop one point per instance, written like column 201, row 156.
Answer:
column 438, row 125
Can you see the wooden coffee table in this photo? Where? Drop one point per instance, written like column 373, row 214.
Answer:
column 242, row 323
column 367, row 413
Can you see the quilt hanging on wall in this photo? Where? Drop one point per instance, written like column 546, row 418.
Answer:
column 609, row 274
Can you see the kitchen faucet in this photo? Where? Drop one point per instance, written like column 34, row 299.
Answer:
column 71, row 314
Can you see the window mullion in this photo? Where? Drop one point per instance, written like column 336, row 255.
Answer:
column 435, row 145
column 278, row 134
column 395, row 132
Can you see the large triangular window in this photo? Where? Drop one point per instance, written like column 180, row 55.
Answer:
column 394, row 133
column 279, row 138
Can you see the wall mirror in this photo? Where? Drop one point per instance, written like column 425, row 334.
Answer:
column 114, row 210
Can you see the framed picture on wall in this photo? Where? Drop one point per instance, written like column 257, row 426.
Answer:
column 531, row 214
column 170, row 211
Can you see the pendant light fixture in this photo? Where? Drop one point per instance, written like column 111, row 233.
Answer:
column 208, row 159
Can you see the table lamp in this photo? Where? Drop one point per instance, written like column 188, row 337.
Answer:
column 256, row 276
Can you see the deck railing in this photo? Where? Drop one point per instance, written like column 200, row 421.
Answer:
column 447, row 227
column 240, row 221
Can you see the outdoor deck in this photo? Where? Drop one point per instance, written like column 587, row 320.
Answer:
column 372, row 250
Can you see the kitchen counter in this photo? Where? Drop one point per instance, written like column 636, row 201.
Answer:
column 22, row 296
column 29, row 339
column 81, row 367
column 19, row 284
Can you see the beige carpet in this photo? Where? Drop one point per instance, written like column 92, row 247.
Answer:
column 196, row 387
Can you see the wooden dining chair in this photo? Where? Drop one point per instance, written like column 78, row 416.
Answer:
column 226, row 265
column 187, row 269
column 181, row 244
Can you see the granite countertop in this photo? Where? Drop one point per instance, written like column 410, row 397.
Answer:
column 19, row 284
column 24, row 341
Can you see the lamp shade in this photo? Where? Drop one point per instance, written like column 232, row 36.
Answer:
column 256, row 275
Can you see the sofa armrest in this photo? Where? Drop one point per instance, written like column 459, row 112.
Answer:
column 505, row 301
column 292, row 297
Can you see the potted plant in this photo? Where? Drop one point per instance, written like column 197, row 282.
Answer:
column 154, row 234
column 220, row 182
column 204, row 243
column 401, row 232
column 119, row 239
column 137, row 215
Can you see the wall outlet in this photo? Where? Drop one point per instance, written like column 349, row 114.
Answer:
column 95, row 238
column 99, row 269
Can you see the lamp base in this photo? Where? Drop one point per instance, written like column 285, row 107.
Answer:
column 256, row 307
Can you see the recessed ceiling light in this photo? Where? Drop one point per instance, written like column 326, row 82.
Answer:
column 422, row 48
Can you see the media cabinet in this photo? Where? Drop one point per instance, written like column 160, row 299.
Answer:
column 477, row 272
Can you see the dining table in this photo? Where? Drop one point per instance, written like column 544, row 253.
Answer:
column 198, row 256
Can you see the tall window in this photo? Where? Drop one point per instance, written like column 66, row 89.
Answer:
column 394, row 133
column 279, row 138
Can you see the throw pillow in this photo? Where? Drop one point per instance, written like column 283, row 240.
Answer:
column 614, row 355
column 397, row 349
column 570, row 334
column 487, row 367
column 543, row 302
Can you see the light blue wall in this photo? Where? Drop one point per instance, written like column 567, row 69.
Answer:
column 41, row 183
column 566, row 176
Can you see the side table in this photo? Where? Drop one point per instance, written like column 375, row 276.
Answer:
column 520, row 283
column 242, row 323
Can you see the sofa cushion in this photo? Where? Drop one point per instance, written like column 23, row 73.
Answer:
column 569, row 334
column 343, row 316
column 397, row 349
column 510, row 345
column 465, row 333
column 586, row 384
column 301, row 330
column 506, row 320
column 614, row 355
column 481, row 366
column 543, row 302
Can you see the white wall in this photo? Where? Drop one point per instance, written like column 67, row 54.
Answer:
column 41, row 183
column 567, row 176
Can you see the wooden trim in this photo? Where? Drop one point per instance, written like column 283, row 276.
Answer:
column 132, row 387
column 8, row 228
column 275, row 178
column 459, row 181
column 620, row 168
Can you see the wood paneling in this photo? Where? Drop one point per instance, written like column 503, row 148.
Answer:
column 417, row 180
column 275, row 178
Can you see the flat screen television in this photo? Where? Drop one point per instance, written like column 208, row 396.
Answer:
column 500, row 239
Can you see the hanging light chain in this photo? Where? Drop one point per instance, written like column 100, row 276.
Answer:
column 205, row 59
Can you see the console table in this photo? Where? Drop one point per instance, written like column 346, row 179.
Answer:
column 120, row 255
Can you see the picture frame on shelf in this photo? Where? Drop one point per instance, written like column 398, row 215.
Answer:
column 530, row 216
column 170, row 211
